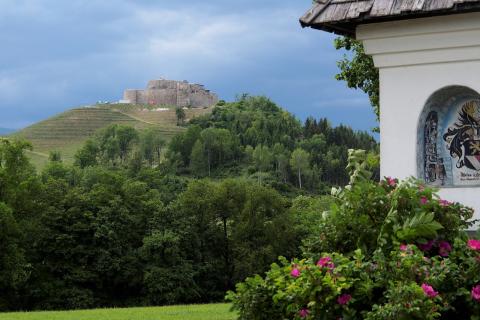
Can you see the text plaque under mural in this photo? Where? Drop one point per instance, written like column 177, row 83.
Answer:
column 449, row 139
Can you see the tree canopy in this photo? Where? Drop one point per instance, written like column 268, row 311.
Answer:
column 137, row 220
column 358, row 71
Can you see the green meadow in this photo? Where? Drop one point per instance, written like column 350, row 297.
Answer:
column 193, row 312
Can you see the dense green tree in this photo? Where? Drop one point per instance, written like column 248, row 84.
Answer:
column 359, row 71
column 125, row 136
column 20, row 204
column 300, row 162
column 281, row 156
column 126, row 225
column 19, row 186
column 198, row 159
column 122, row 145
column 256, row 121
column 249, row 150
column 282, row 165
column 219, row 146
column 108, row 145
column 55, row 156
column 169, row 277
column 181, row 115
column 234, row 229
column 151, row 145
column 14, row 269
column 196, row 218
column 90, row 240
column 261, row 231
column 183, row 143
column 147, row 146
column 87, row 155
column 116, row 142
column 158, row 145
column 263, row 159
column 174, row 161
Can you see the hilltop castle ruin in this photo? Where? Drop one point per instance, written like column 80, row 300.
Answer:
column 170, row 92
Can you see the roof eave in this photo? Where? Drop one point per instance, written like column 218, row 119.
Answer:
column 348, row 27
column 339, row 29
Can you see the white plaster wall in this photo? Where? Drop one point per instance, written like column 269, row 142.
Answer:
column 416, row 58
column 404, row 92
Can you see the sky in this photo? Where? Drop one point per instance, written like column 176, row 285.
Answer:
column 59, row 54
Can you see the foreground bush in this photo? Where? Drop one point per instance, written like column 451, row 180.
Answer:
column 397, row 251
column 369, row 216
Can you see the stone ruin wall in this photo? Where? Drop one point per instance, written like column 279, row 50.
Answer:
column 175, row 93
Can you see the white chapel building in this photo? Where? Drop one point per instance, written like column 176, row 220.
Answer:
column 428, row 56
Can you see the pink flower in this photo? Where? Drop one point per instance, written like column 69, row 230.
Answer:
column 326, row 262
column 304, row 313
column 295, row 273
column 403, row 247
column 429, row 291
column 391, row 182
column 426, row 246
column 344, row 299
column 444, row 203
column 476, row 293
column 474, row 244
column 423, row 200
column 444, row 248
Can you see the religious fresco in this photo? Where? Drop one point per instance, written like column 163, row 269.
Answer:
column 434, row 170
column 449, row 139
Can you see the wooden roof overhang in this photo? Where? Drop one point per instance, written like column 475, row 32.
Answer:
column 343, row 16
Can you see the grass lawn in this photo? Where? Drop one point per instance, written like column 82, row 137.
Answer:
column 194, row 312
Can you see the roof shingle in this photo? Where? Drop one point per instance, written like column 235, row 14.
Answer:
column 342, row 16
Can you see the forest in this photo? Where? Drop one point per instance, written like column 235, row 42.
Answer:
column 139, row 221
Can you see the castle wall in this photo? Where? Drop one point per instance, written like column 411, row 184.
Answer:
column 169, row 92
column 130, row 95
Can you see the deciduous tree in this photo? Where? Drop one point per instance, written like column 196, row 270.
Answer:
column 300, row 162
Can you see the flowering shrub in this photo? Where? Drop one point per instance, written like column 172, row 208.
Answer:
column 397, row 251
column 370, row 216
column 405, row 285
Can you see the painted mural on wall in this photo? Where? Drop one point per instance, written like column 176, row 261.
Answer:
column 449, row 139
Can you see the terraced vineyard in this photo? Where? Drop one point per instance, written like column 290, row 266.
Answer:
column 67, row 131
column 158, row 115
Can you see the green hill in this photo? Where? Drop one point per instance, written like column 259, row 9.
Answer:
column 67, row 131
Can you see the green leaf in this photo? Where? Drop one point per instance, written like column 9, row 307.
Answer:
column 422, row 225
